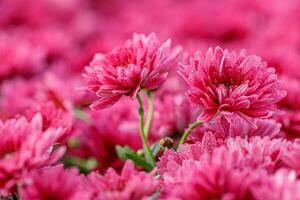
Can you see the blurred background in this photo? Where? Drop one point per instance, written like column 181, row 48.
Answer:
column 46, row 33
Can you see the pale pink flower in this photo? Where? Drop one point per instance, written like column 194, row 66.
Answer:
column 283, row 185
column 54, row 183
column 290, row 119
column 46, row 95
column 18, row 55
column 291, row 155
column 264, row 153
column 226, row 82
column 129, row 185
column 25, row 146
column 234, row 126
column 142, row 63
column 172, row 114
column 204, row 170
column 170, row 161
column 220, row 175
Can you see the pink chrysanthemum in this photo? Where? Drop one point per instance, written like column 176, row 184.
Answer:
column 262, row 153
column 18, row 55
column 25, row 146
column 291, row 106
column 217, row 176
column 283, row 185
column 130, row 184
column 224, row 82
column 224, row 128
column 291, row 155
column 142, row 63
column 172, row 113
column 204, row 171
column 54, row 183
column 45, row 95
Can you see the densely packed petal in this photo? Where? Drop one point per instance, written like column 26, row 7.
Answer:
column 130, row 184
column 142, row 63
column 226, row 82
column 69, row 187
column 25, row 146
column 228, row 171
column 230, row 127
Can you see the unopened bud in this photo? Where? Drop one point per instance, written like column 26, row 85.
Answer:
column 166, row 143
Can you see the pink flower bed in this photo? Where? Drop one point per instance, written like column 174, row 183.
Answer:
column 149, row 100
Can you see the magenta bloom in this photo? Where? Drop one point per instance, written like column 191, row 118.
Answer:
column 283, row 185
column 224, row 82
column 25, row 146
column 142, row 63
column 130, row 184
column 291, row 155
column 234, row 126
column 172, row 113
column 45, row 95
column 291, row 106
column 19, row 55
column 220, row 175
column 204, row 171
column 54, row 183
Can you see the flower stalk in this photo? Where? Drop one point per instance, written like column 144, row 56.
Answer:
column 150, row 112
column 146, row 147
column 188, row 131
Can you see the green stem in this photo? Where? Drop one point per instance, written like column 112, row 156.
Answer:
column 146, row 147
column 188, row 131
column 150, row 113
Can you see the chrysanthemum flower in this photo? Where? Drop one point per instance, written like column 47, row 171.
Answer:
column 45, row 95
column 291, row 155
column 283, row 185
column 290, row 120
column 25, row 146
column 54, row 183
column 224, row 82
column 130, row 184
column 259, row 153
column 172, row 113
column 233, row 126
column 19, row 56
column 142, row 63
column 218, row 176
column 207, row 172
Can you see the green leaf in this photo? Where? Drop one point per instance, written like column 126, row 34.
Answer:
column 84, row 165
column 73, row 142
column 80, row 114
column 126, row 153
column 121, row 151
column 139, row 161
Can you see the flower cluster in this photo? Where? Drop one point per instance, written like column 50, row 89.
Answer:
column 113, row 101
